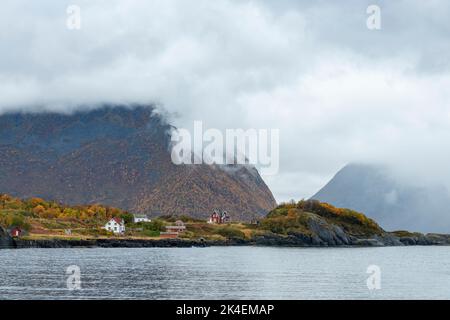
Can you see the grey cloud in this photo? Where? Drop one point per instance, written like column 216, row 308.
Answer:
column 337, row 91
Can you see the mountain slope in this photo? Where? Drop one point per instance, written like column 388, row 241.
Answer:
column 119, row 157
column 394, row 204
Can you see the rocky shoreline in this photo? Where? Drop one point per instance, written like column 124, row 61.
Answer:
column 293, row 240
column 300, row 240
column 320, row 235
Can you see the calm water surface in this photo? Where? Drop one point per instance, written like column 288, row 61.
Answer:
column 226, row 273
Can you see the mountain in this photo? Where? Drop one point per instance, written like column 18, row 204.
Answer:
column 119, row 156
column 394, row 204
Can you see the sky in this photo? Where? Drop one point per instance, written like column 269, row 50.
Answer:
column 338, row 91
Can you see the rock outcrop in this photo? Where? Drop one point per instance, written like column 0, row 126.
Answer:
column 5, row 239
column 302, row 240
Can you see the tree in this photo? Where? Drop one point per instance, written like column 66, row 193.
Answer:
column 127, row 217
column 154, row 225
column 38, row 210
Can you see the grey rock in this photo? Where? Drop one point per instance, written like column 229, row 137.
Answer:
column 329, row 234
column 438, row 239
column 389, row 240
column 408, row 241
column 368, row 243
column 5, row 239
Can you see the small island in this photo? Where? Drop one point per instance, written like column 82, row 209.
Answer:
column 37, row 223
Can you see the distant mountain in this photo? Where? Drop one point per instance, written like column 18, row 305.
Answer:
column 120, row 157
column 395, row 205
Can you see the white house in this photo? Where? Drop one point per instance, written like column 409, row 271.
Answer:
column 115, row 225
column 141, row 219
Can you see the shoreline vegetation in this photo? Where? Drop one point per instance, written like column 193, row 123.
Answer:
column 309, row 223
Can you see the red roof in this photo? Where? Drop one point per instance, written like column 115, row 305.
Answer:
column 118, row 220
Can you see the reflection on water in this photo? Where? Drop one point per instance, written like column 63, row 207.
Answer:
column 226, row 273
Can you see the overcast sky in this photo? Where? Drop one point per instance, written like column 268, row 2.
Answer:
column 337, row 91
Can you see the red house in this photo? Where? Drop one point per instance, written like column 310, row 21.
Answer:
column 215, row 218
column 219, row 217
column 15, row 232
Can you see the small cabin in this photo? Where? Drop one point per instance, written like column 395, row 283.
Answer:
column 178, row 227
column 16, row 232
column 254, row 220
column 173, row 231
column 215, row 218
column 141, row 218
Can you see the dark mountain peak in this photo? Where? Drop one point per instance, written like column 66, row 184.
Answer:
column 118, row 156
column 394, row 202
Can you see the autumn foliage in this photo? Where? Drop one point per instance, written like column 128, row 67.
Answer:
column 14, row 211
column 294, row 216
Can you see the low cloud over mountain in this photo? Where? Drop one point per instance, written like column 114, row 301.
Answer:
column 395, row 203
column 119, row 156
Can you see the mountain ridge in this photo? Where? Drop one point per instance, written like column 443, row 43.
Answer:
column 118, row 156
column 395, row 204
